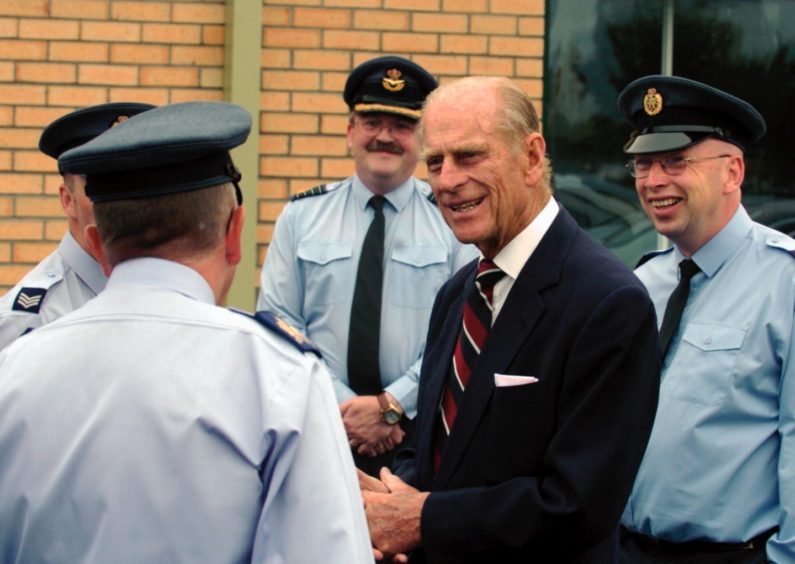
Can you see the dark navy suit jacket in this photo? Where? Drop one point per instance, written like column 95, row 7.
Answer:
column 539, row 472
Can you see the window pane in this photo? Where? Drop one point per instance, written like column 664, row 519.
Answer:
column 748, row 48
column 594, row 49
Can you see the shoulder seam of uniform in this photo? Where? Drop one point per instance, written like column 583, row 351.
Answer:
column 426, row 191
column 779, row 243
column 318, row 190
column 279, row 326
column 651, row 254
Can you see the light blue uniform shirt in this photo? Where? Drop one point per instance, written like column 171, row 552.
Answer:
column 310, row 273
column 153, row 426
column 720, row 464
column 69, row 277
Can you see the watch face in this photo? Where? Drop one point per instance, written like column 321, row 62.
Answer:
column 391, row 416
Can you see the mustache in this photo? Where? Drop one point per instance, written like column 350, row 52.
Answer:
column 378, row 146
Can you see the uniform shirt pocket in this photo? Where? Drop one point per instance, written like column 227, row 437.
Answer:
column 327, row 272
column 703, row 368
column 417, row 274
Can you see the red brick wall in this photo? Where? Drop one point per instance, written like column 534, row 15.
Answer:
column 309, row 49
column 58, row 55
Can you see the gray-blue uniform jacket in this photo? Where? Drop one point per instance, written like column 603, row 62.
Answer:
column 310, row 273
column 59, row 284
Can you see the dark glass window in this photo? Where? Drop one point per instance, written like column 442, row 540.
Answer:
column 595, row 48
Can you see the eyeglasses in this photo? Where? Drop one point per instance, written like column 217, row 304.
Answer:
column 671, row 165
column 397, row 127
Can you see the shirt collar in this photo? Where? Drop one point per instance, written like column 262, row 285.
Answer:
column 512, row 258
column 399, row 197
column 84, row 265
column 711, row 256
column 163, row 273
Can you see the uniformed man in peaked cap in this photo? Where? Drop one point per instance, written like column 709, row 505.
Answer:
column 717, row 483
column 168, row 429
column 70, row 276
column 356, row 264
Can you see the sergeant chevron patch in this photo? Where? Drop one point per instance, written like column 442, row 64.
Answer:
column 29, row 299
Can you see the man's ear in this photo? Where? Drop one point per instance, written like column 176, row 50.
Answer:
column 234, row 232
column 94, row 242
column 349, row 135
column 535, row 149
column 735, row 174
column 67, row 200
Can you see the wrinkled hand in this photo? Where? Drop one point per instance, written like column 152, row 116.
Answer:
column 365, row 427
column 368, row 483
column 392, row 516
column 371, row 484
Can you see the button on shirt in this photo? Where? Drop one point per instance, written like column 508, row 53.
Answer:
column 70, row 277
column 171, row 430
column 310, row 273
column 720, row 464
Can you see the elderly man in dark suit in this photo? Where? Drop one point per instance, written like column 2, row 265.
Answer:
column 539, row 380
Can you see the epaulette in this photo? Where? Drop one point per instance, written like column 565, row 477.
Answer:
column 650, row 255
column 281, row 327
column 29, row 299
column 786, row 244
column 426, row 191
column 318, row 190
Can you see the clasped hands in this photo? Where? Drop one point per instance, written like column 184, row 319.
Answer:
column 367, row 432
column 393, row 510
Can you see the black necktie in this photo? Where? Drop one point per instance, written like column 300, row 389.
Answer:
column 364, row 376
column 676, row 303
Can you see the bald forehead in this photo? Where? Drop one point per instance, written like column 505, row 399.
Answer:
column 470, row 90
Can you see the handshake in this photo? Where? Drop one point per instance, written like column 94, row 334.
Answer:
column 393, row 510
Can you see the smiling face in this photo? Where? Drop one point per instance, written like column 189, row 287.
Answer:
column 692, row 207
column 489, row 184
column 385, row 149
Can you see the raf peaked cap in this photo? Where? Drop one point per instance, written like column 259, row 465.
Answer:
column 390, row 84
column 84, row 124
column 174, row 148
column 671, row 112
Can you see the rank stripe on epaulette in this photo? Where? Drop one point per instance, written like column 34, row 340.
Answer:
column 314, row 191
column 281, row 327
column 29, row 299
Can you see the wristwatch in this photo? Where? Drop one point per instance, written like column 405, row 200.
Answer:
column 390, row 412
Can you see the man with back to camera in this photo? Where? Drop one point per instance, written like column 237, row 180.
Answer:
column 190, row 433
column 70, row 276
column 355, row 264
column 540, row 375
column 717, row 483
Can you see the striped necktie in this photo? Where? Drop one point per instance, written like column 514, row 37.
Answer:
column 474, row 332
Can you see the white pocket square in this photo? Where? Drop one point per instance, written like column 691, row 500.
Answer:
column 506, row 380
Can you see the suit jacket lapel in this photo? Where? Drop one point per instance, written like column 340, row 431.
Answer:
column 520, row 313
column 439, row 368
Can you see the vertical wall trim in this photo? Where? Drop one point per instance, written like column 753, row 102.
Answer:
column 243, row 39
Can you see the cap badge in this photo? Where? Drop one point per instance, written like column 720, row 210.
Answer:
column 392, row 81
column 652, row 102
